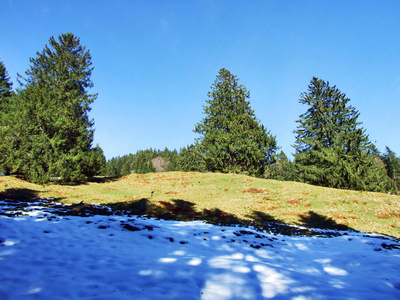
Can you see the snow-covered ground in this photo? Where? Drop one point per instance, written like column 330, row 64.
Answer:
column 47, row 256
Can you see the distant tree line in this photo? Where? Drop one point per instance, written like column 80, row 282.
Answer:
column 144, row 161
column 46, row 133
column 188, row 159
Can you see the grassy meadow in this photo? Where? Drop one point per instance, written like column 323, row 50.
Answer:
column 201, row 195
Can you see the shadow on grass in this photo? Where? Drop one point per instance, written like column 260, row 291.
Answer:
column 182, row 210
column 96, row 179
column 102, row 179
column 178, row 209
column 22, row 195
column 315, row 220
column 270, row 224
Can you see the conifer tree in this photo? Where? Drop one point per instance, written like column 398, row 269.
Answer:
column 191, row 159
column 5, row 98
column 282, row 168
column 143, row 162
column 233, row 140
column 392, row 163
column 5, row 83
column 331, row 148
column 51, row 132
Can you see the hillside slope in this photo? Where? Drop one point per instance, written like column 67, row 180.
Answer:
column 228, row 196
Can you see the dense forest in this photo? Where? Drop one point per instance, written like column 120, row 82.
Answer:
column 46, row 133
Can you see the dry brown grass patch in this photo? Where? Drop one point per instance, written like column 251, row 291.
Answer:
column 383, row 216
column 256, row 191
column 302, row 214
column 59, row 193
column 293, row 202
column 339, row 217
column 269, row 199
column 273, row 207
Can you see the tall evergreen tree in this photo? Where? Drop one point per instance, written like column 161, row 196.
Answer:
column 5, row 98
column 392, row 163
column 5, row 83
column 233, row 140
column 331, row 147
column 52, row 134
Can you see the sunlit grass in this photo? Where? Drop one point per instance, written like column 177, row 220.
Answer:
column 234, row 194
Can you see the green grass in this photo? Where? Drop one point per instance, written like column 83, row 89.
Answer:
column 202, row 195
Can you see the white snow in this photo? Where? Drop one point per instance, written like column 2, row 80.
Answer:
column 47, row 256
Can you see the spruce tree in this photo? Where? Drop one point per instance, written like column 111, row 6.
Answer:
column 191, row 159
column 51, row 133
column 392, row 163
column 5, row 98
column 282, row 168
column 331, row 148
column 233, row 140
column 5, row 83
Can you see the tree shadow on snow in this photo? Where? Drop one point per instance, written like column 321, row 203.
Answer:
column 16, row 200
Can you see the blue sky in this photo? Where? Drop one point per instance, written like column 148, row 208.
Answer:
column 156, row 60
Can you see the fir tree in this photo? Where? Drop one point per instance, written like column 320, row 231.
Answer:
column 233, row 140
column 191, row 159
column 112, row 167
column 5, row 98
column 392, row 163
column 5, row 83
column 170, row 159
column 95, row 162
column 52, row 133
column 143, row 162
column 282, row 168
column 331, row 148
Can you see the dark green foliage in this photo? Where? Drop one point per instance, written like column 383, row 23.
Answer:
column 392, row 166
column 282, row 168
column 113, row 167
column 120, row 166
column 233, row 140
column 144, row 161
column 5, row 84
column 331, row 149
column 50, row 134
column 5, row 98
column 143, row 164
column 95, row 162
column 191, row 159
column 170, row 159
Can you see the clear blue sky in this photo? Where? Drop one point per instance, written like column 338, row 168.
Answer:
column 156, row 60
